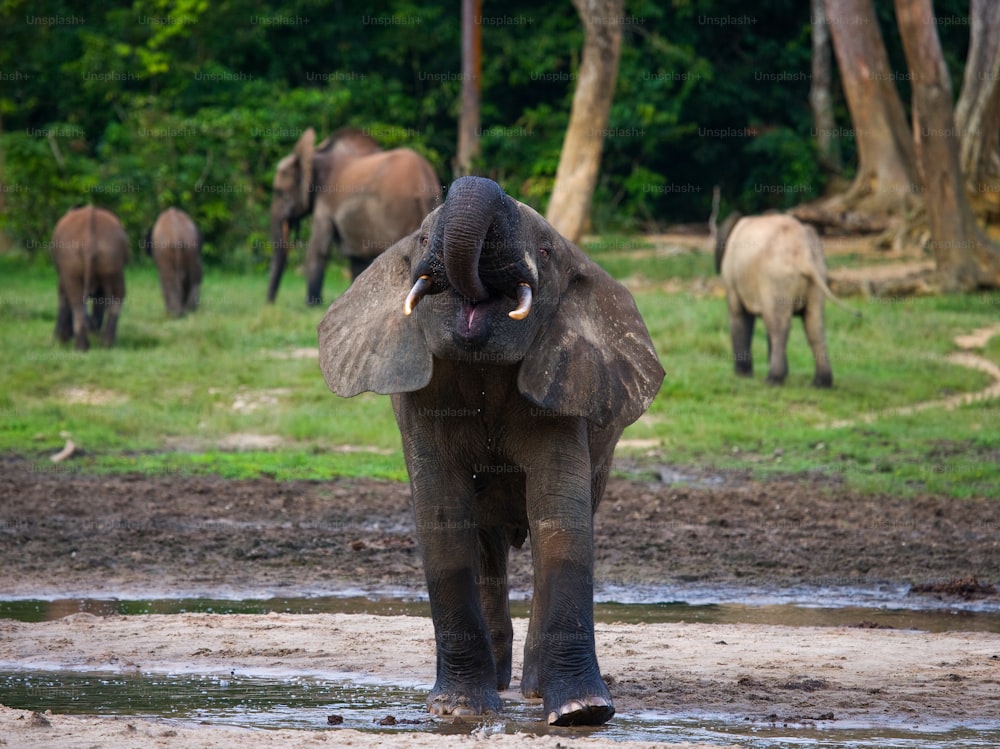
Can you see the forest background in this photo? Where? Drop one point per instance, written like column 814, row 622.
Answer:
column 140, row 105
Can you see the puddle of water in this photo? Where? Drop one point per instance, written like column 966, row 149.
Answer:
column 305, row 703
column 936, row 619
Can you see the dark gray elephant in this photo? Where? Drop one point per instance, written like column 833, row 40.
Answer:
column 174, row 243
column 773, row 267
column 514, row 363
column 361, row 197
column 90, row 250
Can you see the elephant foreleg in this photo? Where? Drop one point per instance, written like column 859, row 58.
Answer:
column 466, row 682
column 495, row 598
column 316, row 257
column 560, row 655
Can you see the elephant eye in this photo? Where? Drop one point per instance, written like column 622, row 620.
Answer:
column 544, row 250
column 423, row 240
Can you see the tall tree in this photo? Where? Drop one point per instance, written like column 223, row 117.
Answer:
column 580, row 158
column 820, row 90
column 886, row 171
column 965, row 259
column 468, row 123
column 977, row 114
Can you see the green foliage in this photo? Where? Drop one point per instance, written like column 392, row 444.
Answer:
column 141, row 104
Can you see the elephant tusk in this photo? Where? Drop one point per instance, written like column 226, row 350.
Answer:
column 523, row 302
column 419, row 290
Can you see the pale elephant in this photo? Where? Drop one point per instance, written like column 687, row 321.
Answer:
column 773, row 267
column 90, row 250
column 174, row 243
column 361, row 197
column 514, row 363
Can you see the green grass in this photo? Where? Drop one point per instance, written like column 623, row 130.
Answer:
column 180, row 395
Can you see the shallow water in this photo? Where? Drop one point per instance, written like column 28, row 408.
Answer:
column 267, row 701
column 900, row 612
column 305, row 703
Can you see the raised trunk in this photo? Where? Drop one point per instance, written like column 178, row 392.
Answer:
column 479, row 222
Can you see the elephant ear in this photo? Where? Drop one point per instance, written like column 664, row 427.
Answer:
column 595, row 358
column 366, row 343
column 305, row 147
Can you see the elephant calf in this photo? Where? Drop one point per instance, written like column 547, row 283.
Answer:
column 773, row 267
column 174, row 243
column 89, row 249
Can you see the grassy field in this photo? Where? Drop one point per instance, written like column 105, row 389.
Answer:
column 235, row 389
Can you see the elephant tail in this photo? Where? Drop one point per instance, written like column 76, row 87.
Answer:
column 821, row 282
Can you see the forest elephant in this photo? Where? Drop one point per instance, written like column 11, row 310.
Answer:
column 772, row 267
column 174, row 243
column 361, row 197
column 89, row 250
column 514, row 363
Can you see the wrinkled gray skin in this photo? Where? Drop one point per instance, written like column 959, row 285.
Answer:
column 174, row 243
column 509, row 415
column 361, row 197
column 89, row 249
column 773, row 267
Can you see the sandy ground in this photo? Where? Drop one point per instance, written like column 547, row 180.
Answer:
column 66, row 534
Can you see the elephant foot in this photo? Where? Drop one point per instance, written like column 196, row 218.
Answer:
column 823, row 381
column 592, row 711
column 457, row 703
column 775, row 380
column 584, row 702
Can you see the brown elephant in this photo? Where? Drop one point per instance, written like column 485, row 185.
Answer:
column 773, row 267
column 89, row 249
column 514, row 364
column 174, row 243
column 361, row 197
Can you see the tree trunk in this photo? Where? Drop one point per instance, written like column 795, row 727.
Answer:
column 964, row 257
column 820, row 91
column 977, row 114
column 580, row 159
column 468, row 123
column 884, row 189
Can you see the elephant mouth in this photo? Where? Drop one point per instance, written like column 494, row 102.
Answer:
column 474, row 320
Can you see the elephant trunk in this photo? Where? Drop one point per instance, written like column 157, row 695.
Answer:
column 479, row 227
column 279, row 253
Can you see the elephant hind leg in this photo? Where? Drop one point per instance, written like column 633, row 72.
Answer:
column 495, row 599
column 64, row 318
column 813, row 322
column 112, row 299
column 778, row 327
column 741, row 325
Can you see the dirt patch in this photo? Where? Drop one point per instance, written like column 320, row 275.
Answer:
column 65, row 534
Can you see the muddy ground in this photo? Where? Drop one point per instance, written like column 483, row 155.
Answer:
column 63, row 534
